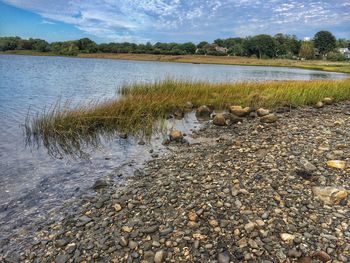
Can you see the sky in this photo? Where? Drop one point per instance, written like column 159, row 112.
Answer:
column 181, row 21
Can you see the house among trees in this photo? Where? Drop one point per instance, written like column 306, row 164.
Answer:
column 221, row 49
column 345, row 52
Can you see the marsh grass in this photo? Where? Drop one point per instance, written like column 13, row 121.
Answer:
column 140, row 109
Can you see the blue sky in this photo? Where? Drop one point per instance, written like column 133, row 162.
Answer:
column 170, row 20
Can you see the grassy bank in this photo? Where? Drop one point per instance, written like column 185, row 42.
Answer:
column 141, row 108
column 226, row 60
column 343, row 67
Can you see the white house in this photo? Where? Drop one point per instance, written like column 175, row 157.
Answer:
column 345, row 52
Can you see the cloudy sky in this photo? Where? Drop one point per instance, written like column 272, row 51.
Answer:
column 170, row 20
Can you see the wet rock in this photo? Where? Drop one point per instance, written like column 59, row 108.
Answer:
column 99, row 184
column 330, row 194
column 270, row 118
column 203, row 112
column 123, row 135
column 240, row 111
column 176, row 135
column 262, row 112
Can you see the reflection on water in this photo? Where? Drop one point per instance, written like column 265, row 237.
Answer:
column 31, row 182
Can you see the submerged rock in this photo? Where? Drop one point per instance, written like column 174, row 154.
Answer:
column 99, row 184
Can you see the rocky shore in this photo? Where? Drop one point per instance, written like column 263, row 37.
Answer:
column 240, row 190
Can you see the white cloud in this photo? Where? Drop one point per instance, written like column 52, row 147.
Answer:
column 138, row 20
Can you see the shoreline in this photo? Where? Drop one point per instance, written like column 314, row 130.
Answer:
column 234, row 195
column 340, row 67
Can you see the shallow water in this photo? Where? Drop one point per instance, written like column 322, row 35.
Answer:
column 31, row 182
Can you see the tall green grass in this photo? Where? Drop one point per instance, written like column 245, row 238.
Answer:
column 140, row 108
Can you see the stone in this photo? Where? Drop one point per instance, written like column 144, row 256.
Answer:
column 330, row 194
column 337, row 164
column 203, row 112
column 159, row 256
column 213, row 223
column 219, row 120
column 123, row 241
column 240, row 111
column 293, row 253
column 99, row 184
column 176, row 135
column 319, row 105
column 270, row 118
column 287, row 237
column 61, row 258
column 132, row 244
column 127, row 229
column 321, row 255
column 304, row 260
column 262, row 112
column 117, row 207
column 309, row 167
column 328, row 101
column 192, row 216
column 224, row 257
column 249, row 227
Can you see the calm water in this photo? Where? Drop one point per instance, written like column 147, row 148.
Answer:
column 31, row 183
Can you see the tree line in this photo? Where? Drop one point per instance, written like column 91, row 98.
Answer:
column 323, row 45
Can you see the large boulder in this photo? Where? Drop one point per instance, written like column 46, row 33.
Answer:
column 262, row 112
column 203, row 112
column 240, row 111
column 270, row 118
column 219, row 120
column 328, row 101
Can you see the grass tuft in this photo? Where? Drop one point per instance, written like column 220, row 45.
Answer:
column 141, row 108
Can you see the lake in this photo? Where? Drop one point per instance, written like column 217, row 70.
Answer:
column 31, row 182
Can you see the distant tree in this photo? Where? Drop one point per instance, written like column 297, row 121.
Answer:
column 236, row 50
column 188, row 48
column 324, row 42
column 202, row 44
column 219, row 42
column 261, row 46
column 342, row 43
column 86, row 45
column 307, row 50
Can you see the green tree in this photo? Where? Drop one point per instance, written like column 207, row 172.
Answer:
column 188, row 48
column 324, row 42
column 261, row 46
column 307, row 50
column 202, row 44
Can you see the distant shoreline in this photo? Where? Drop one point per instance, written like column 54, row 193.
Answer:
column 341, row 67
